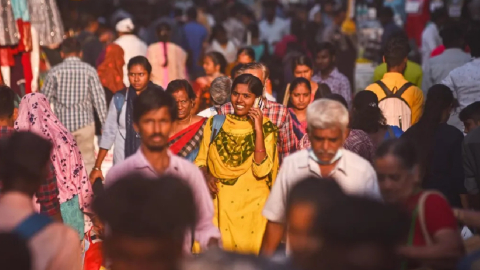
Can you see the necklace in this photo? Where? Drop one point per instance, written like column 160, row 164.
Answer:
column 189, row 123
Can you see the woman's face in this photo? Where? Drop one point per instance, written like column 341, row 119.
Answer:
column 210, row 67
column 184, row 104
column 301, row 97
column 138, row 77
column 303, row 71
column 396, row 182
column 242, row 100
column 244, row 58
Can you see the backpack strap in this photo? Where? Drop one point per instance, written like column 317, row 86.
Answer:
column 30, row 226
column 217, row 123
column 386, row 90
column 402, row 89
column 118, row 101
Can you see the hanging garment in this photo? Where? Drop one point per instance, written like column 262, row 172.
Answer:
column 9, row 35
column 45, row 17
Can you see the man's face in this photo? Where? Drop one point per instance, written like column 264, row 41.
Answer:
column 154, row 128
column 324, row 60
column 326, row 142
column 470, row 125
column 129, row 253
column 299, row 224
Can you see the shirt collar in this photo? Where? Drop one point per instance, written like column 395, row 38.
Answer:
column 393, row 76
column 305, row 161
column 332, row 74
column 72, row 58
column 141, row 162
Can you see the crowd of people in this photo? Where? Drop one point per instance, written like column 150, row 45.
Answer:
column 243, row 144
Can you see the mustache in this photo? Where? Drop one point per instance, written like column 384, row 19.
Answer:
column 157, row 135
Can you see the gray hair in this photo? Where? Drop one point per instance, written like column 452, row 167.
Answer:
column 325, row 113
column 220, row 90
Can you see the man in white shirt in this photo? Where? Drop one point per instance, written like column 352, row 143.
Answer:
column 327, row 130
column 220, row 94
column 272, row 28
column 52, row 244
column 132, row 46
column 431, row 36
column 464, row 81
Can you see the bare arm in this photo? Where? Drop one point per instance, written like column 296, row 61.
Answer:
column 94, row 174
column 272, row 238
column 444, row 253
column 468, row 217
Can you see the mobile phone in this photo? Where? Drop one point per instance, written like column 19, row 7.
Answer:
column 97, row 187
column 258, row 102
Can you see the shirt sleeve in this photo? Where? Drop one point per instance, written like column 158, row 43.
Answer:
column 438, row 215
column 110, row 128
column 49, row 88
column 286, row 137
column 265, row 167
column 202, row 156
column 98, row 95
column 448, row 81
column 346, row 90
column 372, row 190
column 47, row 194
column 427, row 80
column 205, row 230
column 417, row 105
column 275, row 207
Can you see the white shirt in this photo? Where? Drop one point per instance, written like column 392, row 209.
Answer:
column 464, row 81
column 274, row 32
column 132, row 46
column 353, row 173
column 430, row 40
column 208, row 112
column 229, row 52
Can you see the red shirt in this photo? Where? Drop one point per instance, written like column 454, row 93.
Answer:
column 438, row 216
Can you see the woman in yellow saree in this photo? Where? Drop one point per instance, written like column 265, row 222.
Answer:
column 239, row 158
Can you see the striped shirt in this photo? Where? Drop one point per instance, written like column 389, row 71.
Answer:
column 74, row 89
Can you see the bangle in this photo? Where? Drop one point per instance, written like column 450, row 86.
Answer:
column 96, row 169
column 260, row 151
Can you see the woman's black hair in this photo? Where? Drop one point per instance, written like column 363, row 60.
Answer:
column 294, row 84
column 366, row 115
column 163, row 32
column 302, row 60
column 338, row 98
column 248, row 51
column 322, row 91
column 178, row 85
column 402, row 148
column 151, row 99
column 216, row 29
column 422, row 134
column 142, row 61
column 254, row 84
column 218, row 59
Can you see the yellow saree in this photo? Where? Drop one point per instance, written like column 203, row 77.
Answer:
column 243, row 184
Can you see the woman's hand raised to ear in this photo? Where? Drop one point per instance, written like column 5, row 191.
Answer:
column 257, row 116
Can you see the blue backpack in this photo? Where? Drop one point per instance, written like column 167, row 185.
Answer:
column 217, row 124
column 118, row 101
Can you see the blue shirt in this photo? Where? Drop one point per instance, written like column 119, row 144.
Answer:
column 196, row 35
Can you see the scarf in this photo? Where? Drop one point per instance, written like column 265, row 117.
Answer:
column 35, row 115
column 132, row 138
column 299, row 128
column 110, row 71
